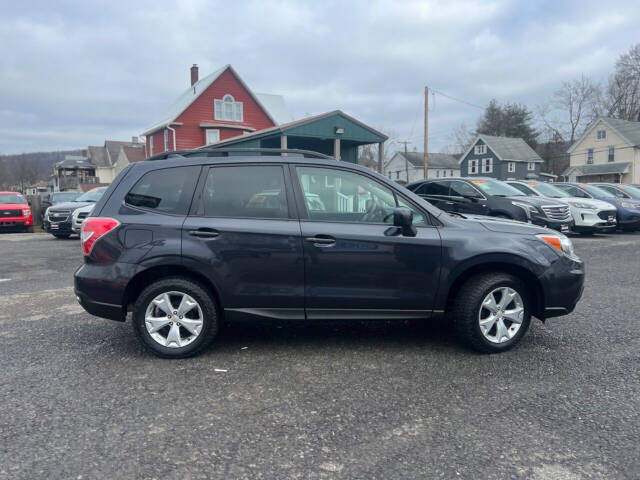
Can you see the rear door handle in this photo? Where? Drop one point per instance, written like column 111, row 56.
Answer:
column 204, row 233
column 324, row 240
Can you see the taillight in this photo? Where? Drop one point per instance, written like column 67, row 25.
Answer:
column 93, row 228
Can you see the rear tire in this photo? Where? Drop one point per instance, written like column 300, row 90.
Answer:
column 205, row 312
column 471, row 316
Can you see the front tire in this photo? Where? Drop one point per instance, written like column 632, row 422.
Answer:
column 492, row 312
column 175, row 318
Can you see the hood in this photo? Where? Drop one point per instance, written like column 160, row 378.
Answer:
column 504, row 225
column 13, row 206
column 86, row 208
column 536, row 201
column 69, row 206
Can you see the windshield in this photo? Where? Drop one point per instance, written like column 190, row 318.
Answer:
column 15, row 198
column 64, row 197
column 597, row 191
column 500, row 189
column 633, row 192
column 92, row 195
column 548, row 190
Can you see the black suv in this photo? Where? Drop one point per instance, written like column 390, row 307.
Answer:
column 189, row 240
column 487, row 196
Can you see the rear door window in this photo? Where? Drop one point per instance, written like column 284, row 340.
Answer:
column 245, row 191
column 435, row 188
column 168, row 190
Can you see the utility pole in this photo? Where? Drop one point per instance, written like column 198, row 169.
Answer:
column 406, row 160
column 426, row 130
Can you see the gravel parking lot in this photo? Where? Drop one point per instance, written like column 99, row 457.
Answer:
column 81, row 399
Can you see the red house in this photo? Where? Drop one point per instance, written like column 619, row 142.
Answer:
column 218, row 107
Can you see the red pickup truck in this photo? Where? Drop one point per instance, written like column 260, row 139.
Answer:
column 15, row 212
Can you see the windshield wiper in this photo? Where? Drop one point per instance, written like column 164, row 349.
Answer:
column 456, row 214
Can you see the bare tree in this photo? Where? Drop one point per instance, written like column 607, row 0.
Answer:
column 572, row 108
column 622, row 95
column 460, row 139
column 368, row 154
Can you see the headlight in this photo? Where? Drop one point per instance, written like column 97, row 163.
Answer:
column 529, row 209
column 26, row 212
column 46, row 213
column 632, row 206
column 582, row 205
column 559, row 242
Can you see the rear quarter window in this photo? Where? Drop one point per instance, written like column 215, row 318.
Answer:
column 168, row 190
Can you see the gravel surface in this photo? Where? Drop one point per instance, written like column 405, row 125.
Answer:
column 81, row 399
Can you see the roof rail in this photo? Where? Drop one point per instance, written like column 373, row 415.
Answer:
column 225, row 152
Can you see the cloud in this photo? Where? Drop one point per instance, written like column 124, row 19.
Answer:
column 74, row 73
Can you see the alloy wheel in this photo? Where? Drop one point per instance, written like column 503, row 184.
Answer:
column 174, row 319
column 501, row 315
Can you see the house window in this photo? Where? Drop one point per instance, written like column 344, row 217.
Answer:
column 437, row 173
column 212, row 135
column 480, row 149
column 590, row 156
column 487, row 165
column 151, row 145
column 473, row 166
column 531, row 166
column 166, row 140
column 228, row 109
column 451, row 173
column 511, row 167
column 612, row 154
column 601, row 135
column 444, row 173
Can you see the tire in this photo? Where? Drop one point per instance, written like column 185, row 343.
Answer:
column 467, row 312
column 206, row 310
column 63, row 236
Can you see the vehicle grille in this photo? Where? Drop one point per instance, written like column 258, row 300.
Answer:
column 560, row 212
column 605, row 214
column 59, row 215
column 14, row 212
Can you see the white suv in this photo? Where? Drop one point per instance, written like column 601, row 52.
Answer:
column 78, row 216
column 589, row 215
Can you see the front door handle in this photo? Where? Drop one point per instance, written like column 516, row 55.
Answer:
column 449, row 203
column 204, row 233
column 322, row 240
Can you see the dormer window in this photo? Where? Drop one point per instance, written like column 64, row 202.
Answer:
column 480, row 149
column 601, row 135
column 228, row 109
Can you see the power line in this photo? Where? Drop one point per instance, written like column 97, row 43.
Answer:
column 457, row 99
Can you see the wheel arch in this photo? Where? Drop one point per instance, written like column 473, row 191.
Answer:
column 503, row 263
column 144, row 278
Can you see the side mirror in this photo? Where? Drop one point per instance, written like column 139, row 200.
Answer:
column 403, row 219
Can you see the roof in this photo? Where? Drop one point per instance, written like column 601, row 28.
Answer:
column 98, row 156
column 113, row 148
column 134, row 154
column 194, row 91
column 436, row 160
column 627, row 129
column 276, row 106
column 507, row 149
column 599, row 169
column 74, row 162
column 284, row 128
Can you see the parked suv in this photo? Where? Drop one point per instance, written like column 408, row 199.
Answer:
column 627, row 210
column 58, row 219
column 486, row 196
column 15, row 212
column 589, row 215
column 187, row 241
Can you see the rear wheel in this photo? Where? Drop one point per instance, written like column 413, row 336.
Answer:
column 175, row 318
column 492, row 312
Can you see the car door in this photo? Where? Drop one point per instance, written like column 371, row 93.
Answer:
column 466, row 199
column 242, row 234
column 356, row 263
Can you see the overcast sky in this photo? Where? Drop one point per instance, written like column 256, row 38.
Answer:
column 75, row 73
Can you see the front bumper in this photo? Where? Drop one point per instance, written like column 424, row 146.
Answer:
column 559, row 225
column 563, row 284
column 590, row 220
column 16, row 222
column 63, row 227
column 629, row 219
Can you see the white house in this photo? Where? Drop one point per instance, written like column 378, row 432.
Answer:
column 440, row 165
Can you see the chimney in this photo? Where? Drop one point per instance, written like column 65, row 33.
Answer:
column 134, row 139
column 194, row 74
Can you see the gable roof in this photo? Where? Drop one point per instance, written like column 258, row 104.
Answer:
column 628, row 130
column 436, row 160
column 193, row 92
column 134, row 154
column 507, row 149
column 376, row 136
column 98, row 156
column 599, row 168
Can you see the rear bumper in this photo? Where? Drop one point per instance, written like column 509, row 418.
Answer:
column 563, row 284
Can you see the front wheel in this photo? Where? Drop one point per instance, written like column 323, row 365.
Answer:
column 492, row 312
column 175, row 318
